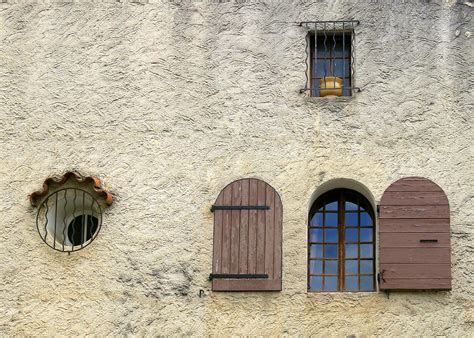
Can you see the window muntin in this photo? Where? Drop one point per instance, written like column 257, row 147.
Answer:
column 341, row 240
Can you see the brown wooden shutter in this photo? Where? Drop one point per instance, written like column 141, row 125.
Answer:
column 414, row 233
column 247, row 238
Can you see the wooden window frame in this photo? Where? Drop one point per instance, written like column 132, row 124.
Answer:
column 321, row 202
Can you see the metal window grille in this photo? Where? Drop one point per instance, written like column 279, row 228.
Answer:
column 69, row 219
column 330, row 65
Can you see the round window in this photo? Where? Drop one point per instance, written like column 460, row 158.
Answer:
column 69, row 219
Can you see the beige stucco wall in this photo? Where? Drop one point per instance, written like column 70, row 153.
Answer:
column 169, row 102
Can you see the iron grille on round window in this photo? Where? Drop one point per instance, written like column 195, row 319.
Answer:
column 70, row 209
column 69, row 219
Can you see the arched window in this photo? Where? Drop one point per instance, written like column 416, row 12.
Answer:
column 341, row 237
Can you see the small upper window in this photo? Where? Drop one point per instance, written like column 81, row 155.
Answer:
column 341, row 252
column 331, row 66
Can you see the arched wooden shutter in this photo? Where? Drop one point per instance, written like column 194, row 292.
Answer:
column 414, row 236
column 247, row 238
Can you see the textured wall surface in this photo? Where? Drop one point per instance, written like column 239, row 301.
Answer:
column 167, row 102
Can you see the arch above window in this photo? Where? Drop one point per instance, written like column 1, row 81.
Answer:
column 341, row 242
column 247, row 254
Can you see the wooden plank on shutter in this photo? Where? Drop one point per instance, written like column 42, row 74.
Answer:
column 277, row 260
column 414, row 236
column 417, row 284
column 249, row 246
column 252, row 246
column 413, row 211
column 395, row 225
column 415, row 240
column 261, row 192
column 235, row 227
column 414, row 255
column 269, row 231
column 217, row 249
column 420, row 198
column 424, row 270
column 226, row 232
column 244, row 229
column 414, row 184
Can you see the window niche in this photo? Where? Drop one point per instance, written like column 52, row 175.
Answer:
column 330, row 65
column 341, row 243
column 69, row 210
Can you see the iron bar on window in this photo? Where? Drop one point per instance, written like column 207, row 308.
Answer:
column 61, row 216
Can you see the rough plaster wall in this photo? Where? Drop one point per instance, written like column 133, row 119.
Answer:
column 169, row 102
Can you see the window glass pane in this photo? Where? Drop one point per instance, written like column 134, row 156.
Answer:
column 366, row 235
column 351, row 251
column 322, row 52
column 332, row 206
column 351, row 206
column 351, row 219
column 339, row 70
column 315, row 283
column 331, row 235
column 323, row 68
column 366, row 250
column 316, row 235
column 338, row 50
column 331, row 220
column 330, row 251
column 351, row 267
column 315, row 267
column 346, row 87
column 366, row 283
column 365, row 219
column 351, row 235
column 350, row 283
column 317, row 220
column 330, row 267
column 366, row 266
column 316, row 251
column 330, row 283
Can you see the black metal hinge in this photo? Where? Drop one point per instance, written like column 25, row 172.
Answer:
column 237, row 276
column 378, row 210
column 239, row 207
column 380, row 276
